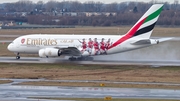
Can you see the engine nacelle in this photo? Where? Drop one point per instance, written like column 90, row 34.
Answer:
column 49, row 52
column 154, row 41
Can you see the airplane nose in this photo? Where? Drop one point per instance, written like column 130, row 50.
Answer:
column 9, row 47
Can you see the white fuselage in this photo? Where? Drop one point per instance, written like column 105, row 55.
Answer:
column 33, row 43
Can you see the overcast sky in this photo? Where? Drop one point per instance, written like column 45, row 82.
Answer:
column 104, row 1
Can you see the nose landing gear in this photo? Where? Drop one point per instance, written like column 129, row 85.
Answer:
column 17, row 56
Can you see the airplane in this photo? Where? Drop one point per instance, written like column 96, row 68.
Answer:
column 78, row 47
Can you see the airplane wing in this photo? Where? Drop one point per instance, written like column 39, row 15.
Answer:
column 71, row 51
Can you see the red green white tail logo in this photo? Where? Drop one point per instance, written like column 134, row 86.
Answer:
column 144, row 27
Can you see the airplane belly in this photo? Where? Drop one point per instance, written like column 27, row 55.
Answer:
column 124, row 48
column 116, row 49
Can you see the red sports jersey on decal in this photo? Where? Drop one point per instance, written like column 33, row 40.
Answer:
column 90, row 44
column 84, row 46
column 107, row 45
column 102, row 45
column 96, row 45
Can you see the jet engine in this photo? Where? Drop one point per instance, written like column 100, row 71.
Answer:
column 50, row 52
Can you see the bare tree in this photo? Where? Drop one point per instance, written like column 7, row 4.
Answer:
column 89, row 6
column 24, row 5
column 99, row 6
column 75, row 6
column 10, row 7
column 51, row 6
column 127, row 12
column 39, row 5
column 113, row 7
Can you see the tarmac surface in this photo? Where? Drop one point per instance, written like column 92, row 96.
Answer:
column 25, row 93
column 153, row 63
column 5, row 41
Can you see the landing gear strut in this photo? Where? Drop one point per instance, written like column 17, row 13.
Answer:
column 17, row 56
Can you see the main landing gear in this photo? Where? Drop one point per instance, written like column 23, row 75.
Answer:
column 17, row 56
column 81, row 58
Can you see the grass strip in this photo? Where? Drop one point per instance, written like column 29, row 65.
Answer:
column 5, row 81
column 90, row 72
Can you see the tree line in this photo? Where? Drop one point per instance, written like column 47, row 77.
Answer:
column 127, row 13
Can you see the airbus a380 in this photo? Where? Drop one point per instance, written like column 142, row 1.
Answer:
column 89, row 45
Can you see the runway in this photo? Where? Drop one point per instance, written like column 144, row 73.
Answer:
column 5, row 41
column 153, row 63
column 25, row 93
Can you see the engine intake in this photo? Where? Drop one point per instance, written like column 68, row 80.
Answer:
column 50, row 52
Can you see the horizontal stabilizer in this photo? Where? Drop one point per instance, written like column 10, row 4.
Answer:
column 165, row 39
column 150, row 41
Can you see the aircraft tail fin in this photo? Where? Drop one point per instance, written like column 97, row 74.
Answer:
column 144, row 26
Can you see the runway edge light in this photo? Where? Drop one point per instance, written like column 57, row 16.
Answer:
column 102, row 84
column 108, row 98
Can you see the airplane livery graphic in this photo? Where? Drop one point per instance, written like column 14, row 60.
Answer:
column 145, row 25
column 83, row 46
column 95, row 47
column 22, row 41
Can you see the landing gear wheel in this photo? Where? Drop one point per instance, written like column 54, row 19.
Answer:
column 17, row 57
column 90, row 58
column 81, row 58
column 72, row 59
column 87, row 58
